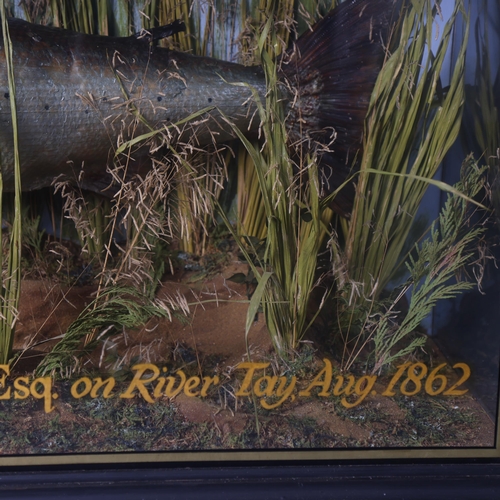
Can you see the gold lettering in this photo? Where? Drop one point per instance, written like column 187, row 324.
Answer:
column 347, row 390
column 246, row 385
column 323, row 379
column 269, row 384
column 6, row 370
column 159, row 387
column 21, row 391
column 170, row 391
column 363, row 387
column 207, row 381
column 284, row 391
column 140, row 383
column 87, row 383
column 109, row 384
column 46, row 394
column 191, row 383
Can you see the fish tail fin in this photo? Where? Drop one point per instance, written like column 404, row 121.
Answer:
column 332, row 70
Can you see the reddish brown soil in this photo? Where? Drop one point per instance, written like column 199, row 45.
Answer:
column 215, row 332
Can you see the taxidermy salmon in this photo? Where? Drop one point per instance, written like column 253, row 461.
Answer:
column 78, row 95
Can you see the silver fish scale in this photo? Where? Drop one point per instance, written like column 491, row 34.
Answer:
column 77, row 97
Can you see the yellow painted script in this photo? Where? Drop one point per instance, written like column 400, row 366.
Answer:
column 39, row 388
column 280, row 389
column 266, row 386
column 147, row 373
column 271, row 391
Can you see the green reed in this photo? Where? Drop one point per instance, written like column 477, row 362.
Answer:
column 10, row 258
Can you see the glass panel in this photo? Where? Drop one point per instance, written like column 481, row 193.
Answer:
column 291, row 255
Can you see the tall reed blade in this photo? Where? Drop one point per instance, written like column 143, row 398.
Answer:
column 11, row 269
column 403, row 119
column 407, row 134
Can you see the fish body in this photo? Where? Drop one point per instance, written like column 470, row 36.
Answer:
column 78, row 96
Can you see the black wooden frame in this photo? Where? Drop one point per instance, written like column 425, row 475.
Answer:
column 475, row 479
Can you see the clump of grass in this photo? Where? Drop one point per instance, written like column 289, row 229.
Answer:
column 252, row 218
column 90, row 214
column 130, row 271
column 434, row 271
column 406, row 137
column 286, row 274
column 113, row 310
